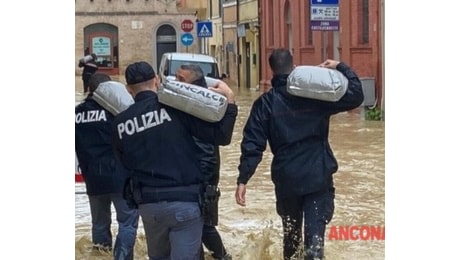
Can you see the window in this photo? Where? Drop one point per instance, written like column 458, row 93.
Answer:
column 270, row 17
column 220, row 8
column 364, row 23
column 209, row 69
column 309, row 31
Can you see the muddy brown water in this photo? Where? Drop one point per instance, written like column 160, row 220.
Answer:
column 254, row 232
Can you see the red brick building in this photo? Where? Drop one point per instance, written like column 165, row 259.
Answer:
column 359, row 41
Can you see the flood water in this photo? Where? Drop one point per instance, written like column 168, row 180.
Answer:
column 254, row 232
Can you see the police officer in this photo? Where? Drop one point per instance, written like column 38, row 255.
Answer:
column 155, row 142
column 89, row 68
column 297, row 130
column 210, row 166
column 104, row 175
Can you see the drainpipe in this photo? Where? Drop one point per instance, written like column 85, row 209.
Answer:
column 259, row 44
column 238, row 42
column 223, row 61
column 382, row 53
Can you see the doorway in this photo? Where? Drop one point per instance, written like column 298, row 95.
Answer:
column 248, row 64
column 166, row 42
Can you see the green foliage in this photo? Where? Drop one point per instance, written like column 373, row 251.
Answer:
column 374, row 114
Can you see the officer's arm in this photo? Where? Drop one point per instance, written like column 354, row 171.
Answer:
column 254, row 142
column 352, row 98
column 218, row 133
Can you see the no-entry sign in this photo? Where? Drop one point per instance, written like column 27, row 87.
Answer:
column 187, row 25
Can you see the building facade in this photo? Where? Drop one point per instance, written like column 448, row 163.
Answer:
column 121, row 32
column 229, row 39
column 358, row 42
column 248, row 43
column 244, row 34
column 215, row 44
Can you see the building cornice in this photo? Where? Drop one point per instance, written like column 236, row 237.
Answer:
column 224, row 5
column 226, row 26
column 127, row 13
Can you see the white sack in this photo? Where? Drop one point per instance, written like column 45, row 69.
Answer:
column 113, row 96
column 210, row 82
column 194, row 100
column 169, row 78
column 86, row 59
column 317, row 83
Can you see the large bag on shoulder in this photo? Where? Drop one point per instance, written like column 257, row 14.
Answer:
column 210, row 82
column 113, row 96
column 192, row 99
column 317, row 83
column 86, row 59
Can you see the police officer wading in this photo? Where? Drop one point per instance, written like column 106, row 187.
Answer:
column 155, row 142
column 297, row 130
column 89, row 68
column 209, row 156
column 104, row 176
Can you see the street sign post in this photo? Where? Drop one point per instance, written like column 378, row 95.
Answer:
column 204, row 29
column 324, row 15
column 187, row 25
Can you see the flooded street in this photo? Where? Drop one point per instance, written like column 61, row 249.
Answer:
column 254, row 232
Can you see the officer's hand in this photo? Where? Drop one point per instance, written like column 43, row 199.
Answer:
column 222, row 88
column 330, row 64
column 240, row 194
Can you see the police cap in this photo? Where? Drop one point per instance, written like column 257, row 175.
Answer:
column 139, row 72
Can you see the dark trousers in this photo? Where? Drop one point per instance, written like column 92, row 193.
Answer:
column 316, row 210
column 213, row 242
column 85, row 78
column 101, row 220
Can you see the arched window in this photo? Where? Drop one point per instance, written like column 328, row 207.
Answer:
column 363, row 22
column 271, row 23
column 309, row 31
column 166, row 29
column 102, row 40
column 287, row 26
column 165, row 40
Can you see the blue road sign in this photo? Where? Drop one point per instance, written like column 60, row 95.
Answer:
column 186, row 39
column 324, row 15
column 204, row 29
column 324, row 2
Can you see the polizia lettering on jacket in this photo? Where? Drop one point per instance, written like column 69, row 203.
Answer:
column 90, row 116
column 147, row 120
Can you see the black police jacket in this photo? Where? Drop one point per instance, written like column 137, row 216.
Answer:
column 89, row 69
column 102, row 172
column 297, row 131
column 209, row 156
column 155, row 141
